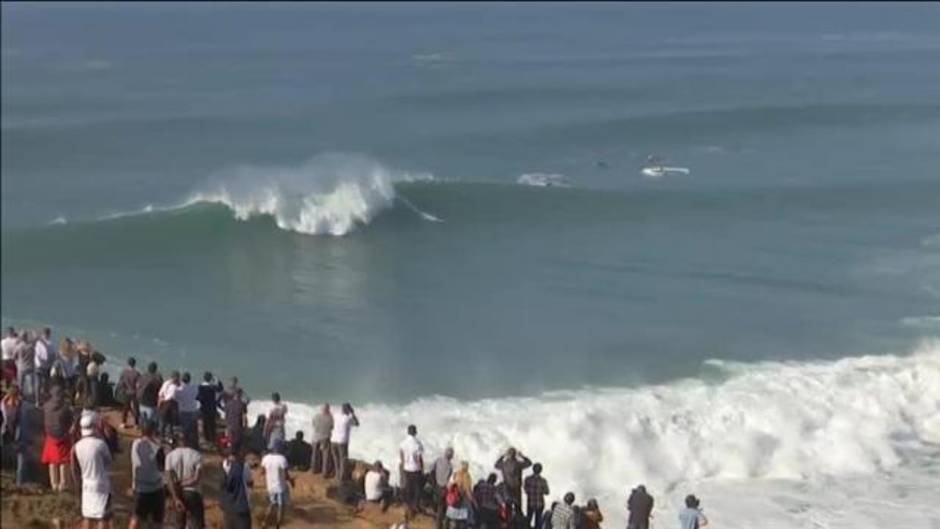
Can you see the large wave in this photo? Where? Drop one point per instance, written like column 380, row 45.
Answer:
column 766, row 445
column 329, row 194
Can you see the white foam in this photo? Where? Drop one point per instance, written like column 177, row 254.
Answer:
column 543, row 180
column 839, row 444
column 329, row 194
column 921, row 321
column 931, row 240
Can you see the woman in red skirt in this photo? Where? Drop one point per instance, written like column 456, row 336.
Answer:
column 58, row 444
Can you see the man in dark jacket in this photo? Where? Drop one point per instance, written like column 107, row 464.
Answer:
column 208, row 397
column 299, row 453
column 235, row 490
column 640, row 505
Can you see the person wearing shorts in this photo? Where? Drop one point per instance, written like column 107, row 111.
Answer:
column 277, row 477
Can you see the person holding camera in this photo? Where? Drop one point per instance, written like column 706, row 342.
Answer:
column 343, row 424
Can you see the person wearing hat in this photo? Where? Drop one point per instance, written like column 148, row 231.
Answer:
column 91, row 460
column 274, row 466
column 692, row 517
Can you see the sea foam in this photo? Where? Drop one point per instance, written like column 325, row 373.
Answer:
column 767, row 445
column 329, row 194
column 543, row 180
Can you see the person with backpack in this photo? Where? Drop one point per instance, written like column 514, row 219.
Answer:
column 459, row 498
column 57, row 446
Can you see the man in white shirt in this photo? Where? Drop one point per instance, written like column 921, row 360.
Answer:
column 147, row 462
column 342, row 427
column 8, row 347
column 91, row 460
column 24, row 353
column 411, row 463
column 274, row 465
column 8, row 344
column 183, row 474
column 377, row 489
column 188, row 408
column 167, row 405
column 45, row 354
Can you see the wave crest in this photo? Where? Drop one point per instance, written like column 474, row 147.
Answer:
column 778, row 433
column 329, row 194
column 543, row 180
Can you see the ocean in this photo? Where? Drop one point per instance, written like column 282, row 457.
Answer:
column 437, row 212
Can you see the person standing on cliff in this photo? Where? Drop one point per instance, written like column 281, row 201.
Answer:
column 511, row 464
column 208, row 397
column 536, row 488
column 274, row 427
column 148, row 393
column 411, row 463
column 640, row 505
column 91, row 465
column 343, row 424
column 126, row 393
column 167, row 405
column 183, row 476
column 188, row 407
column 236, row 419
column 692, row 517
column 322, row 452
column 440, row 473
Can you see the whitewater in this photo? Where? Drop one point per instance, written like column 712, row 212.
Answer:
column 331, row 193
column 848, row 443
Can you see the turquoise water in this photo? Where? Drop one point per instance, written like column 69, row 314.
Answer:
column 803, row 231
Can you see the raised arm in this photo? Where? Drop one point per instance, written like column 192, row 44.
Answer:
column 526, row 462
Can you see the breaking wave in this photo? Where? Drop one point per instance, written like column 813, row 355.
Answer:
column 765, row 445
column 329, row 194
column 543, row 180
